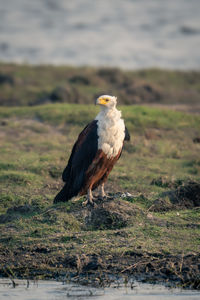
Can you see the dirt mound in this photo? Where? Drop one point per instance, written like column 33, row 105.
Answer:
column 110, row 214
column 186, row 196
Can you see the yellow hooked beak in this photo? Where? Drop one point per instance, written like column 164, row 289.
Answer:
column 102, row 101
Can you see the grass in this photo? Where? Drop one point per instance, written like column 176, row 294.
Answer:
column 34, row 148
column 37, row 141
column 140, row 117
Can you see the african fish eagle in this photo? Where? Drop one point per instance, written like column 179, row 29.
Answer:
column 95, row 152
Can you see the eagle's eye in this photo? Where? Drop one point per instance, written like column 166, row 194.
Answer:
column 107, row 100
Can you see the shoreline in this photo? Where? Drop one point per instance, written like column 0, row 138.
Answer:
column 175, row 271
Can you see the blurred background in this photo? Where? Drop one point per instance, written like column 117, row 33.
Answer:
column 130, row 34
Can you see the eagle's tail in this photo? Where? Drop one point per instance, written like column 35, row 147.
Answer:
column 63, row 195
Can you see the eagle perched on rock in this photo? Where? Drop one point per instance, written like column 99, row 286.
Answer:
column 95, row 152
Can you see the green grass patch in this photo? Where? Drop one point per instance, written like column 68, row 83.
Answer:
column 35, row 145
column 137, row 117
column 15, row 177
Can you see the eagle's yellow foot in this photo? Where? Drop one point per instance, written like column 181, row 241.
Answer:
column 102, row 194
column 89, row 200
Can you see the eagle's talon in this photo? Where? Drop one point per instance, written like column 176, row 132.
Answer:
column 88, row 203
column 85, row 203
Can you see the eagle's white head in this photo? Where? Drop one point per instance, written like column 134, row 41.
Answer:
column 110, row 126
column 107, row 101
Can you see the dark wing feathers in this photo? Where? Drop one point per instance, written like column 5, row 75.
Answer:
column 127, row 135
column 83, row 153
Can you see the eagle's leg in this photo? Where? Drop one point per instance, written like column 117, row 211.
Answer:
column 102, row 191
column 89, row 197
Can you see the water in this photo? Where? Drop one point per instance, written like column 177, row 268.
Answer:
column 52, row 290
column 123, row 33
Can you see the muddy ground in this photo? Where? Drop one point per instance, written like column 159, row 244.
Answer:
column 100, row 268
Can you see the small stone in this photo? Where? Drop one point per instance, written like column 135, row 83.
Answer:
column 126, row 195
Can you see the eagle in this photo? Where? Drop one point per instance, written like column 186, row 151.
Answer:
column 97, row 149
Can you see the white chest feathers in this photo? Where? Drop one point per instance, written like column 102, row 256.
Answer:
column 111, row 132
